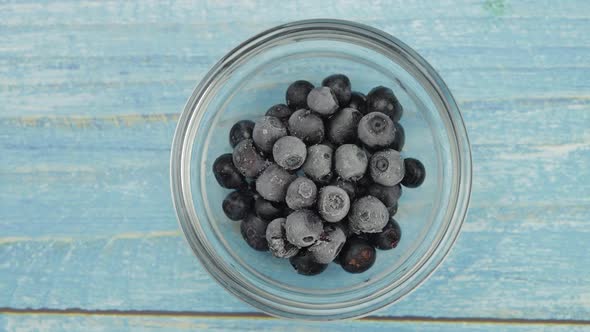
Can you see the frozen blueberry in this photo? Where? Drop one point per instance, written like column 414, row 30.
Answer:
column 253, row 230
column 302, row 193
column 304, row 264
column 272, row 184
column 400, row 137
column 348, row 186
column 357, row 256
column 226, row 174
column 367, row 215
column 333, row 203
column 376, row 130
column 329, row 245
column 415, row 173
column 268, row 210
column 387, row 195
column 280, row 111
column 248, row 160
column 358, row 101
column 303, row 228
column 382, row 99
column 307, row 126
column 238, row 204
column 289, row 152
column 277, row 240
column 318, row 165
column 350, row 162
column 388, row 238
column 340, row 84
column 322, row 100
column 387, row 167
column 267, row 131
column 342, row 127
column 240, row 131
column 296, row 95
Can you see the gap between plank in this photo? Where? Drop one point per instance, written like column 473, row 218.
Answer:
column 255, row 315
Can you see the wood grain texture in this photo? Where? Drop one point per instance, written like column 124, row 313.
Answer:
column 90, row 92
column 91, row 323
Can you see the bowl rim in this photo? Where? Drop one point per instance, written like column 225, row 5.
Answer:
column 181, row 155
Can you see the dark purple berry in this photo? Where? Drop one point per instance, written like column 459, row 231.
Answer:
column 280, row 111
column 268, row 210
column 400, row 137
column 392, row 210
column 304, row 264
column 340, row 85
column 248, row 160
column 226, row 174
column 238, row 204
column 382, row 99
column 387, row 195
column 240, row 131
column 296, row 95
column 253, row 230
column 388, row 238
column 358, row 101
column 357, row 256
column 415, row 173
column 307, row 126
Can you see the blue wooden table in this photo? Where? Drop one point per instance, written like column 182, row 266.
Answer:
column 89, row 95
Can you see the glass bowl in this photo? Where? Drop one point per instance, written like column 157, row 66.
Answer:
column 254, row 76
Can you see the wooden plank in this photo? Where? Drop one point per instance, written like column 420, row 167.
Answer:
column 156, row 270
column 91, row 323
column 135, row 12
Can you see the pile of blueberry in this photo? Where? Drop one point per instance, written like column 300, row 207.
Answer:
column 318, row 180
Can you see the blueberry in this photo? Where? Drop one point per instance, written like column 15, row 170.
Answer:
column 388, row 238
column 289, row 152
column 277, row 240
column 333, row 203
column 415, row 173
column 350, row 162
column 240, row 131
column 358, row 101
column 248, row 160
column 267, row 131
column 307, row 126
column 280, row 111
column 322, row 100
column 303, row 228
column 304, row 264
column 302, row 193
column 340, row 84
column 238, row 204
column 363, row 184
column 272, row 184
column 342, row 127
column 392, row 210
column 387, row 167
column 382, row 99
column 296, row 95
column 253, row 230
column 348, row 186
column 367, row 215
column 376, row 130
column 329, row 245
column 226, row 174
column 357, row 256
column 318, row 165
column 400, row 137
column 268, row 210
column 387, row 195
